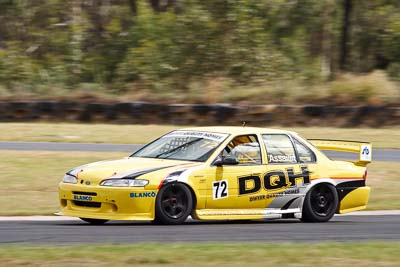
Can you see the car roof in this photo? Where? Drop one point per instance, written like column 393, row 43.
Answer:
column 238, row 130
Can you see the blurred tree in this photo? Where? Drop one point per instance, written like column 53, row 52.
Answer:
column 162, row 5
column 170, row 44
column 133, row 6
column 77, row 37
column 346, row 24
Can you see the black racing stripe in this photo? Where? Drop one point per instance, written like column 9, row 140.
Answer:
column 134, row 175
column 290, row 202
column 355, row 183
column 345, row 188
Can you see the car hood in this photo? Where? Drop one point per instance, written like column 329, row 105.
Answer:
column 131, row 166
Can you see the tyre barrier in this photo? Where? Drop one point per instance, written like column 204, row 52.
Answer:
column 200, row 114
column 19, row 111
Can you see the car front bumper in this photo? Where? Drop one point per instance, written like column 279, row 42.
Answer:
column 110, row 203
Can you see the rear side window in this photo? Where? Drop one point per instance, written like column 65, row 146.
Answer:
column 279, row 148
column 305, row 153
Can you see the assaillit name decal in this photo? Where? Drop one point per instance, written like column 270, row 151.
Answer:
column 273, row 181
column 281, row 158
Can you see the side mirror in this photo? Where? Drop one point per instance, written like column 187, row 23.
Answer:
column 219, row 162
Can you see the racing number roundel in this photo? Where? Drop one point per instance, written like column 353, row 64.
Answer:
column 220, row 189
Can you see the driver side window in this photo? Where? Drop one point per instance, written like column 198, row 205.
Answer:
column 245, row 149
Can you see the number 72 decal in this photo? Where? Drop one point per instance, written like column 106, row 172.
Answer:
column 220, row 189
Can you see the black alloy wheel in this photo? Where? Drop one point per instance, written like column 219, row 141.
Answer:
column 174, row 203
column 320, row 203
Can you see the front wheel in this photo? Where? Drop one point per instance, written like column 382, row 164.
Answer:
column 94, row 221
column 174, row 203
column 320, row 203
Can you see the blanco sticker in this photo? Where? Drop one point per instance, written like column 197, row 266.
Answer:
column 220, row 189
column 219, row 137
column 366, row 152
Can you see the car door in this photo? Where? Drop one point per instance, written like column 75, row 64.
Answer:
column 288, row 171
column 224, row 181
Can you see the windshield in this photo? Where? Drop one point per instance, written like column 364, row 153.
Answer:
column 183, row 145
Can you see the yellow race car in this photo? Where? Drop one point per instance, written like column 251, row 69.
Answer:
column 220, row 173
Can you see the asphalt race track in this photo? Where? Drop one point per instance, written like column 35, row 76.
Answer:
column 377, row 154
column 69, row 232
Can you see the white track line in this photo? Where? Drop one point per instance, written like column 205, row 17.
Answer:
column 66, row 218
column 38, row 218
column 372, row 213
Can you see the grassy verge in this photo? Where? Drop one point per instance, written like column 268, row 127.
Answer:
column 32, row 177
column 221, row 255
column 140, row 134
column 383, row 177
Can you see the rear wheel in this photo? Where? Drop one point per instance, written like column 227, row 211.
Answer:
column 320, row 203
column 174, row 203
column 94, row 221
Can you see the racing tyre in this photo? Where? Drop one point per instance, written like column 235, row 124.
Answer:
column 320, row 203
column 174, row 203
column 94, row 221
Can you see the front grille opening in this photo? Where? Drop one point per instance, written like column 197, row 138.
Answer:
column 87, row 204
column 84, row 193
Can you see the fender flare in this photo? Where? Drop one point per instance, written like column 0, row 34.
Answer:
column 177, row 181
column 311, row 185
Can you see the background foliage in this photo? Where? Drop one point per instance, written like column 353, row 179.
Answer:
column 231, row 50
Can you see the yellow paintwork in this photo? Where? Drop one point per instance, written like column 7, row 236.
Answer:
column 355, row 200
column 337, row 145
column 118, row 203
column 345, row 146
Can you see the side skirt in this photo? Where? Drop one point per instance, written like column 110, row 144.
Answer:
column 247, row 214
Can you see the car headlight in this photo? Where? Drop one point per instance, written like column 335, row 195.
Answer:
column 124, row 182
column 70, row 179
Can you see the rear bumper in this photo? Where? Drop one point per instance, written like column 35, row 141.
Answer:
column 356, row 199
column 108, row 203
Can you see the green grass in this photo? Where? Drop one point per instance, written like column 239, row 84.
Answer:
column 81, row 133
column 30, row 180
column 383, row 177
column 207, row 255
column 140, row 134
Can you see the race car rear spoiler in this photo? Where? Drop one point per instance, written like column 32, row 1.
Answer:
column 364, row 149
